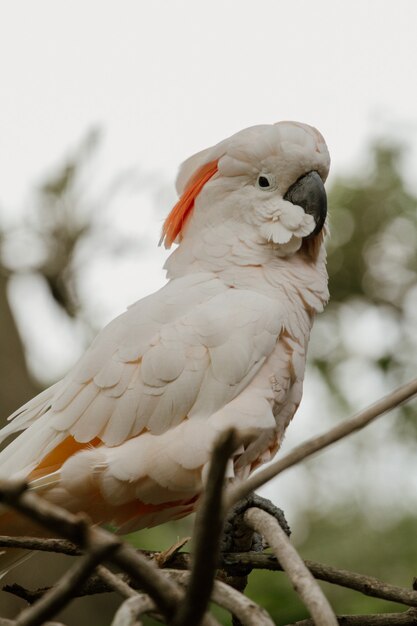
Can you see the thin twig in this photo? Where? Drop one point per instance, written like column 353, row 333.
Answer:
column 163, row 591
column 115, row 582
column 368, row 585
column 60, row 546
column 63, row 592
column 93, row 586
column 11, row 622
column 128, row 613
column 408, row 618
column 236, row 563
column 208, row 528
column 301, row 578
column 247, row 611
column 311, row 446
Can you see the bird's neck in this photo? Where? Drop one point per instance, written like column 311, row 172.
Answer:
column 301, row 277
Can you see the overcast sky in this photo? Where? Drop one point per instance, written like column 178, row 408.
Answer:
column 168, row 77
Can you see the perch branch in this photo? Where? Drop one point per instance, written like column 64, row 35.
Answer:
column 11, row 622
column 301, row 578
column 408, row 618
column 301, row 452
column 128, row 613
column 368, row 585
column 247, row 611
column 207, row 531
column 163, row 591
column 60, row 546
column 115, row 583
column 66, row 587
column 236, row 563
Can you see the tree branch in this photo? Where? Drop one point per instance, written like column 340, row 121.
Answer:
column 301, row 452
column 301, row 578
column 207, row 531
column 61, row 546
column 408, row 618
column 163, row 591
column 368, row 585
column 116, row 583
column 11, row 622
column 128, row 613
column 233, row 564
column 58, row 596
column 165, row 594
column 247, row 611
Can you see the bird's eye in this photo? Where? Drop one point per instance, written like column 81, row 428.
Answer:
column 264, row 181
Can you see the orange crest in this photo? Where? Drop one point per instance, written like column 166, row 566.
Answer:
column 175, row 221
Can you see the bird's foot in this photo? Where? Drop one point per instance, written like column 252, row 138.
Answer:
column 237, row 536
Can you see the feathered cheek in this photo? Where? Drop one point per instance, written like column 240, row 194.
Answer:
column 282, row 221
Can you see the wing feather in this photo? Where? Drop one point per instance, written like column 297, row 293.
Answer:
column 182, row 353
column 94, row 420
column 191, row 367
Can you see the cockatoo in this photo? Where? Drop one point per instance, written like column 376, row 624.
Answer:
column 127, row 435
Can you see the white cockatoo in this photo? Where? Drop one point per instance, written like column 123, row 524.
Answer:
column 126, row 436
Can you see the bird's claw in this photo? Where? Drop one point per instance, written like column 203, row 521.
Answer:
column 237, row 537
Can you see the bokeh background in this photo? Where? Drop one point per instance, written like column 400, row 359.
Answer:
column 100, row 102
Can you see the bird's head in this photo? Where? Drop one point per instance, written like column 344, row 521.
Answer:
column 264, row 185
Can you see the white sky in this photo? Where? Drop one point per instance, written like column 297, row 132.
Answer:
column 169, row 77
column 165, row 78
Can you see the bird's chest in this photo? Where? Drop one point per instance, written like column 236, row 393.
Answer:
column 284, row 370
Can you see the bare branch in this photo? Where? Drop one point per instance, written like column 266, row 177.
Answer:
column 61, row 546
column 235, row 564
column 116, row 583
column 301, row 578
column 208, row 528
column 128, row 613
column 157, row 585
column 11, row 622
column 247, row 611
column 301, row 452
column 163, row 591
column 408, row 618
column 368, row 585
column 166, row 595
column 55, row 599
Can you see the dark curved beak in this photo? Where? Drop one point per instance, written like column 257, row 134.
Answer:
column 309, row 193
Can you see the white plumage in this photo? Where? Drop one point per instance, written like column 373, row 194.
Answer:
column 126, row 436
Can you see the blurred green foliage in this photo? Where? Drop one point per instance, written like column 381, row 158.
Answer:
column 372, row 251
column 344, row 541
column 372, row 264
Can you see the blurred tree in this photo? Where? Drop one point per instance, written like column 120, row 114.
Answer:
column 371, row 319
column 17, row 385
column 372, row 252
column 65, row 215
column 47, row 244
column 55, row 227
column 62, row 219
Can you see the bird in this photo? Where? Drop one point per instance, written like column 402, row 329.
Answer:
column 127, row 435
